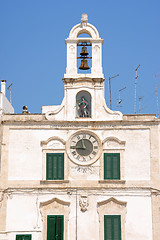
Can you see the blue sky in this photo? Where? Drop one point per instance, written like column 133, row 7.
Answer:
column 33, row 50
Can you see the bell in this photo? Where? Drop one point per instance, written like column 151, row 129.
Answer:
column 84, row 65
column 84, row 51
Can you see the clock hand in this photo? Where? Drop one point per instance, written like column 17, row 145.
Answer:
column 77, row 147
column 83, row 145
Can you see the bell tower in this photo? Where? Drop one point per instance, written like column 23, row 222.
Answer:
column 96, row 44
column 83, row 92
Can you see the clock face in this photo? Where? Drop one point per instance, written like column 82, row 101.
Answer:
column 84, row 148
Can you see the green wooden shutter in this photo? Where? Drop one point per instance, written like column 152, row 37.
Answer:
column 19, row 237
column 49, row 166
column 51, row 226
column 55, row 227
column 60, row 160
column 107, row 228
column 116, row 166
column 55, row 166
column 107, row 166
column 112, row 227
column 117, row 227
column 59, row 229
column 27, row 237
column 23, row 237
column 111, row 165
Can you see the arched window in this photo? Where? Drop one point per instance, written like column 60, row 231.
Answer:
column 83, row 104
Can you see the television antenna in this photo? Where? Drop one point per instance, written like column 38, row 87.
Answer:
column 110, row 89
column 157, row 94
column 120, row 100
column 140, row 98
column 9, row 88
column 135, row 93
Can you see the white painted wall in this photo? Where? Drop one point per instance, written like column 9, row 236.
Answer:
column 5, row 105
column 25, row 153
column 23, row 215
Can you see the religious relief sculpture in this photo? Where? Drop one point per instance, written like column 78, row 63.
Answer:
column 83, row 104
column 84, row 107
column 83, row 203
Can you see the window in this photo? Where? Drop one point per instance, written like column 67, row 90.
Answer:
column 23, row 237
column 112, row 166
column 112, row 227
column 55, row 166
column 55, row 226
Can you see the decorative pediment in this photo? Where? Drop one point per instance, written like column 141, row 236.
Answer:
column 113, row 143
column 54, row 200
column 53, row 143
column 113, row 200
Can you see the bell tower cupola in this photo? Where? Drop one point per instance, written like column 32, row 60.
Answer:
column 74, row 40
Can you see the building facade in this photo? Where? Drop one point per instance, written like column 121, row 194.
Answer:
column 80, row 170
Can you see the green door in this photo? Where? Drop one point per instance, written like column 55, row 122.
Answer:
column 112, row 227
column 55, row 226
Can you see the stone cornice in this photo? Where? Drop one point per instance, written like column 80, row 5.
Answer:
column 83, row 79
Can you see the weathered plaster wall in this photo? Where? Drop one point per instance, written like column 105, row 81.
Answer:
column 25, row 153
column 137, row 222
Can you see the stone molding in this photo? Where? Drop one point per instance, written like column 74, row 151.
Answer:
column 57, row 200
column 112, row 199
column 44, row 143
column 113, row 143
column 88, row 29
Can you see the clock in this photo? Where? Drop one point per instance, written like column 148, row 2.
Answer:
column 84, row 147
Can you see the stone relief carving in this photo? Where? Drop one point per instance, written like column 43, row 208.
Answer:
column 55, row 144
column 96, row 48
column 84, row 169
column 84, row 20
column 83, row 203
column 72, row 48
column 9, row 195
column 1, row 198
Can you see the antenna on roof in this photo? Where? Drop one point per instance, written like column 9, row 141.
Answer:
column 110, row 90
column 9, row 88
column 135, row 94
column 120, row 100
column 157, row 96
column 140, row 98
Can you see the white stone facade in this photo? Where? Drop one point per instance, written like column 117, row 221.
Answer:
column 83, row 196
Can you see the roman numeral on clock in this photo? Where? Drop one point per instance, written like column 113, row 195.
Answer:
column 74, row 153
